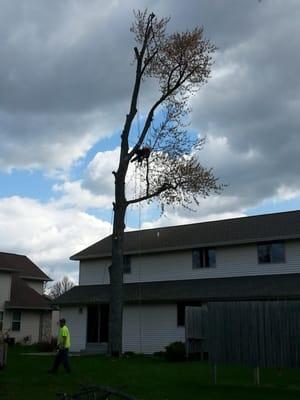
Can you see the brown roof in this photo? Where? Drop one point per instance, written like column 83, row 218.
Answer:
column 279, row 226
column 22, row 264
column 257, row 287
column 24, row 297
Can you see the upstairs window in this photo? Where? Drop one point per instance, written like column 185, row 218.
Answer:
column 126, row 264
column 1, row 321
column 271, row 253
column 204, row 258
column 16, row 321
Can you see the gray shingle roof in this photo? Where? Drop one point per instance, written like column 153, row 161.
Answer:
column 23, row 265
column 279, row 226
column 285, row 286
column 24, row 297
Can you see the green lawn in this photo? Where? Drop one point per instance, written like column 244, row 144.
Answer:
column 147, row 378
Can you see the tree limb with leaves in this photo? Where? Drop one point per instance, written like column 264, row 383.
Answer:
column 180, row 63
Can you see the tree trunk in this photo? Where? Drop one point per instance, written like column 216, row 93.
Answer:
column 116, row 270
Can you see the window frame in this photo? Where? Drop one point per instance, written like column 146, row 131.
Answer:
column 270, row 254
column 14, row 321
column 201, row 259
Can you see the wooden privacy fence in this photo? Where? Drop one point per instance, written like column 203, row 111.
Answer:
column 196, row 330
column 254, row 333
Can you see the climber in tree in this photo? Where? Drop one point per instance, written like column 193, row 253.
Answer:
column 141, row 154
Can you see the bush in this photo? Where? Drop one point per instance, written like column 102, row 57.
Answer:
column 175, row 351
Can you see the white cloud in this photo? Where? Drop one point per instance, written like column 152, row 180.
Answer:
column 98, row 176
column 286, row 193
column 171, row 218
column 99, row 180
column 48, row 234
column 75, row 195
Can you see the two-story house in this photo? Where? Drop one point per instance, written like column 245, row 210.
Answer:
column 25, row 314
column 166, row 269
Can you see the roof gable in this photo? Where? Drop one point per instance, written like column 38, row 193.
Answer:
column 23, row 265
column 24, row 297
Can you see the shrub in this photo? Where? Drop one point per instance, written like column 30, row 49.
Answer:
column 175, row 351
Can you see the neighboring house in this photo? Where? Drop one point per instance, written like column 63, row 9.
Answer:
column 166, row 269
column 25, row 314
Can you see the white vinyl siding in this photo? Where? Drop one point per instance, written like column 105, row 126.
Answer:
column 232, row 261
column 30, row 325
column 5, row 286
column 94, row 272
column 55, row 323
column 38, row 286
column 76, row 321
column 149, row 328
column 1, row 320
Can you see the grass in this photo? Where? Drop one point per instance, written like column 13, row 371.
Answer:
column 147, row 378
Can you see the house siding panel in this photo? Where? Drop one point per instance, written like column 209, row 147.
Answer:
column 30, row 326
column 149, row 328
column 94, row 272
column 5, row 285
column 76, row 321
column 38, row 286
column 231, row 261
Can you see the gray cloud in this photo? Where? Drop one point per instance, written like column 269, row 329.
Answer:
column 65, row 81
column 61, row 79
column 253, row 102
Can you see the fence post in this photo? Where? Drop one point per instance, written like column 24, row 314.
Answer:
column 257, row 376
column 214, row 373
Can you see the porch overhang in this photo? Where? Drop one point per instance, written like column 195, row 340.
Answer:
column 262, row 287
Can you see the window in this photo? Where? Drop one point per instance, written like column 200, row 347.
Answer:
column 204, row 258
column 271, row 253
column 16, row 321
column 127, row 264
column 1, row 321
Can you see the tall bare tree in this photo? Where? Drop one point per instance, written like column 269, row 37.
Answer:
column 60, row 287
column 170, row 172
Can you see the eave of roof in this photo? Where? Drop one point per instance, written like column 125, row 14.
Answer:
column 237, row 231
column 7, row 269
column 189, row 247
column 35, row 278
column 283, row 286
column 11, row 262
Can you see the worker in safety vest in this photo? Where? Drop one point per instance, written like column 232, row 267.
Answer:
column 63, row 343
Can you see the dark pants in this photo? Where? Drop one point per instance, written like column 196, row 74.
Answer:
column 62, row 357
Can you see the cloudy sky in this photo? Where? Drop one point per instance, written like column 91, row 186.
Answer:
column 65, row 82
